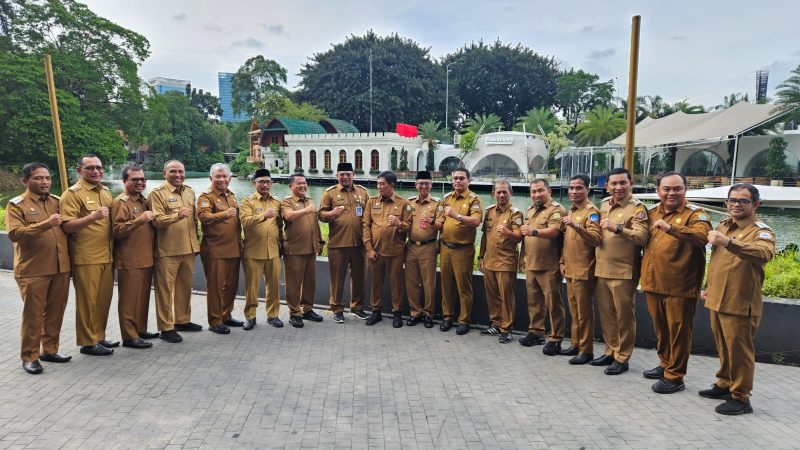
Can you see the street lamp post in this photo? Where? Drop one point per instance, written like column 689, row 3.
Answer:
column 447, row 93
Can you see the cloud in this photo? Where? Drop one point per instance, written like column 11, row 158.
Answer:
column 678, row 37
column 212, row 27
column 180, row 17
column 250, row 42
column 587, row 29
column 274, row 29
column 600, row 54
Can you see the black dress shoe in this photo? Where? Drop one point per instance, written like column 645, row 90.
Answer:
column 250, row 324
column 446, row 325
column 602, row 360
column 296, row 321
column 462, row 329
column 667, row 387
column 616, row 368
column 232, row 322
column 569, row 351
column 656, row 373
column 275, row 322
column 374, row 318
column 531, row 339
column 137, row 343
column 427, row 322
column 312, row 316
column 219, row 329
column 171, row 336
column 54, row 358
column 413, row 320
column 552, row 348
column 715, row 392
column 109, row 344
column 188, row 326
column 359, row 313
column 148, row 335
column 397, row 320
column 96, row 350
column 32, row 367
column 504, row 338
column 734, row 407
column 581, row 358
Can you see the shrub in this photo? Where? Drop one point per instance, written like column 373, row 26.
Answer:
column 783, row 276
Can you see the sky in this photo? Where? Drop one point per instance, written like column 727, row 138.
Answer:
column 700, row 50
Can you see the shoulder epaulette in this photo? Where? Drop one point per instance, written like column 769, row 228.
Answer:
column 473, row 195
column 653, row 206
column 636, row 201
column 160, row 187
column 124, row 197
column 16, row 200
column 436, row 199
column 55, row 196
column 76, row 187
column 288, row 197
column 412, row 198
column 360, row 186
column 208, row 191
column 104, row 187
column 590, row 205
column 692, row 206
column 554, row 203
column 254, row 196
column 531, row 207
column 448, row 194
column 607, row 199
column 490, row 207
column 514, row 210
column 763, row 226
column 330, row 187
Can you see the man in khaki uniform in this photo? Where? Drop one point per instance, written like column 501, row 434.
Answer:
column 581, row 228
column 541, row 252
column 221, row 248
column 421, row 252
column 342, row 208
column 85, row 212
column 386, row 224
column 303, row 242
column 498, row 260
column 134, row 240
column 174, row 217
column 462, row 216
column 263, row 236
column 41, row 267
column 623, row 220
column 672, row 272
column 742, row 246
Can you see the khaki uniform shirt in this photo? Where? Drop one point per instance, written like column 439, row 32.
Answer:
column 618, row 255
column 262, row 237
column 543, row 254
column 134, row 241
column 580, row 241
column 39, row 248
column 736, row 273
column 345, row 230
column 302, row 235
column 93, row 244
column 429, row 207
column 498, row 252
column 467, row 204
column 222, row 234
column 174, row 236
column 386, row 240
column 673, row 262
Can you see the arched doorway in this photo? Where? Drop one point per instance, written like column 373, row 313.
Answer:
column 704, row 163
column 497, row 165
column 757, row 167
column 449, row 164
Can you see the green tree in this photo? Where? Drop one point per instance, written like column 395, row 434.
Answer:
column 431, row 131
column 787, row 96
column 393, row 159
column 577, row 92
column 241, row 166
column 258, row 81
column 777, row 167
column 403, row 159
column 602, row 124
column 731, row 100
column 537, row 120
column 469, row 144
column 500, row 79
column 488, row 123
column 407, row 84
column 205, row 102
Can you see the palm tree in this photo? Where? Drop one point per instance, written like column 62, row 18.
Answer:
column 601, row 124
column 537, row 120
column 432, row 132
column 788, row 94
column 489, row 123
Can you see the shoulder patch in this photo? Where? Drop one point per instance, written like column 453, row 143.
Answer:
column 329, row 188
column 75, row 187
column 594, row 217
column 763, row 226
column 16, row 200
column 765, row 235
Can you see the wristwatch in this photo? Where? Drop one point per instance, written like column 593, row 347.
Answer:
column 618, row 230
column 534, row 232
column 459, row 217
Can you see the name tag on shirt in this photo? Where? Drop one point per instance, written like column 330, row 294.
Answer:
column 359, row 211
column 172, row 199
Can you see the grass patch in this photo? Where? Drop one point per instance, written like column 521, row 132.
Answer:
column 783, row 276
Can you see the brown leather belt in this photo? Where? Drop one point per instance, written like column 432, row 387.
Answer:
column 421, row 243
column 453, row 246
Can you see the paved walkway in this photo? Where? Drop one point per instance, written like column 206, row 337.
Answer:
column 346, row 386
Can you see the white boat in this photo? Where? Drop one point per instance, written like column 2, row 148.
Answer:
column 771, row 196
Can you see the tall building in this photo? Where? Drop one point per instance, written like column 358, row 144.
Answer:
column 226, row 99
column 162, row 85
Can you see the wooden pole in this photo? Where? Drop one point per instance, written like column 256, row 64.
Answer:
column 51, row 89
column 633, row 77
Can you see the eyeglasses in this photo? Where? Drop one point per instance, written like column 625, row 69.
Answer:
column 138, row 180
column 742, row 201
column 459, row 178
column 92, row 168
column 263, row 182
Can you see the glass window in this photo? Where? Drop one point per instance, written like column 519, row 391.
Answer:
column 327, row 160
column 312, row 160
column 342, row 156
column 359, row 160
column 298, row 158
column 374, row 160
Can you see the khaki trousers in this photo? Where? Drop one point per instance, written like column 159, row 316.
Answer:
column 544, row 297
column 456, row 276
column 339, row 260
column 579, row 299
column 737, row 355
column 254, row 270
column 45, row 299
column 615, row 301
column 173, row 282
column 421, row 279
column 94, row 287
column 379, row 269
column 133, row 286
column 673, row 322
column 500, row 298
column 301, row 272
column 222, row 278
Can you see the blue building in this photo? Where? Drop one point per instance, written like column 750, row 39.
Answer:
column 162, row 85
column 226, row 99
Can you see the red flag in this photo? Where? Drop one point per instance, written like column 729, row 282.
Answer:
column 406, row 130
